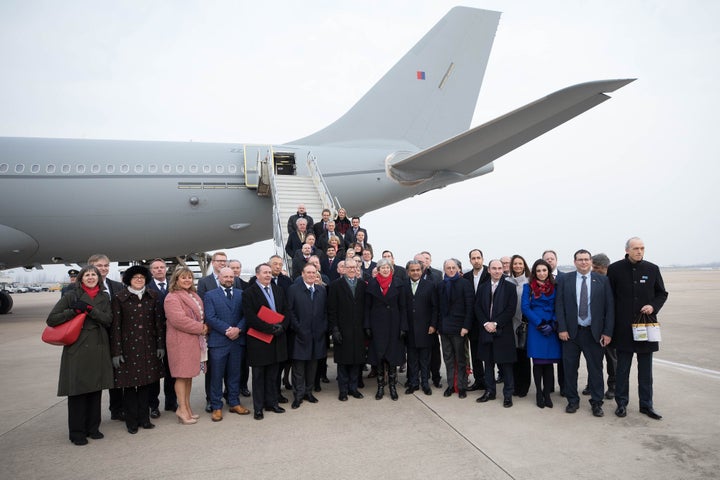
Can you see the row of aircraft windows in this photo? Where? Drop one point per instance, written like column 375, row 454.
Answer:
column 124, row 168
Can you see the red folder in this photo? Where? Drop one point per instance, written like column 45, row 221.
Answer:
column 267, row 316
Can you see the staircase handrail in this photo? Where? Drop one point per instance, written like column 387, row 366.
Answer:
column 322, row 188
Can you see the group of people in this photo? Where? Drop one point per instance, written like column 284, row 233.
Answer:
column 504, row 314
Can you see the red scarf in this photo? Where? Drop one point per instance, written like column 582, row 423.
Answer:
column 538, row 288
column 384, row 282
column 91, row 291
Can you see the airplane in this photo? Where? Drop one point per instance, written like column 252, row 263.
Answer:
column 140, row 199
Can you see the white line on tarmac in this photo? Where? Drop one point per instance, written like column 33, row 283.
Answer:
column 683, row 366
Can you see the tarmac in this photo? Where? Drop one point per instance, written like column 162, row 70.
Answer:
column 417, row 436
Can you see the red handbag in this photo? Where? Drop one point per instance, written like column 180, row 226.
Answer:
column 66, row 333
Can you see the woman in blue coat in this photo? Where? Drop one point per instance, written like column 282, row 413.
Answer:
column 543, row 344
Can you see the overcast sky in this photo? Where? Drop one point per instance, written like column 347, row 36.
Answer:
column 644, row 163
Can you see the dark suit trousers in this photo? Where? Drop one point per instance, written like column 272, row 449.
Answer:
column 84, row 414
column 505, row 368
column 418, row 364
column 645, row 378
column 454, row 355
column 477, row 364
column 435, row 358
column 226, row 366
column 135, row 404
column 585, row 343
column 521, row 372
column 347, row 376
column 116, row 400
column 303, row 374
column 244, row 370
column 168, row 390
column 264, row 386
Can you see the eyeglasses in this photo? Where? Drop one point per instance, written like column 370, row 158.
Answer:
column 138, row 277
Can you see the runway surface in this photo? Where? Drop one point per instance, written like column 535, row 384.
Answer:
column 416, row 437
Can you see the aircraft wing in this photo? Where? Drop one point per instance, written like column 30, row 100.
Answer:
column 478, row 147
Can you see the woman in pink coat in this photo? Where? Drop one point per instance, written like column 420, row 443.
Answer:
column 185, row 338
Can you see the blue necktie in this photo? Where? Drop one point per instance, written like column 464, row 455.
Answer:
column 228, row 293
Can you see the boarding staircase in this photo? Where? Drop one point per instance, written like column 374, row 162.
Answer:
column 290, row 190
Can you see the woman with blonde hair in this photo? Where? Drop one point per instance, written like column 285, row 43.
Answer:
column 185, row 338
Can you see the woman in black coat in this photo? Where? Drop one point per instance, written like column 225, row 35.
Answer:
column 386, row 326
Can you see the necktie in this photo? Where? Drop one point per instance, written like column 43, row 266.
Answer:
column 162, row 287
column 493, row 286
column 228, row 293
column 269, row 296
column 312, row 292
column 413, row 286
column 583, row 306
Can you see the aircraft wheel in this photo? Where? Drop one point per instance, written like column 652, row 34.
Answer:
column 6, row 303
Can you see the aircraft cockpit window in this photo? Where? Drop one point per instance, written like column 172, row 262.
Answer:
column 139, row 168
column 50, row 168
column 80, row 168
column 95, row 168
column 4, row 167
column 65, row 168
column 124, row 168
column 35, row 168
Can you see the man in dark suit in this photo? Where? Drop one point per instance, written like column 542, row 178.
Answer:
column 102, row 263
column 422, row 327
column 638, row 289
column 299, row 260
column 495, row 305
column 455, row 313
column 329, row 264
column 241, row 284
column 160, row 284
column 346, row 314
column 296, row 238
column 226, row 342
column 265, row 358
column 319, row 228
column 478, row 275
column 323, row 237
column 398, row 271
column 236, row 266
column 301, row 213
column 352, row 232
column 308, row 322
column 585, row 315
column 205, row 284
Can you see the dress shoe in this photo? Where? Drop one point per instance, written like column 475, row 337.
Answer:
column 473, row 387
column 324, row 379
column 586, row 391
column 539, row 400
column 448, row 391
column 621, row 411
column 317, row 388
column 361, row 384
column 409, row 390
column 486, row 397
column 80, row 441
column 437, row 383
column 427, row 390
column 296, row 404
column 132, row 430
column 571, row 408
column 282, row 399
column 356, row 394
column 462, row 393
column 311, row 398
column 239, row 409
column 597, row 410
column 244, row 392
column 96, row 435
column 343, row 397
column 393, row 393
column 610, row 394
column 147, row 425
column 507, row 403
column 154, row 413
column 216, row 415
column 650, row 413
column 208, row 408
column 548, row 400
column 276, row 409
column 117, row 416
column 258, row 415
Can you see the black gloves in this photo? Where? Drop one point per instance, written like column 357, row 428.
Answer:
column 277, row 329
column 80, row 307
column 368, row 333
column 403, row 334
column 336, row 337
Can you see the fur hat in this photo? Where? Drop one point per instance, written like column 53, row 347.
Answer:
column 134, row 270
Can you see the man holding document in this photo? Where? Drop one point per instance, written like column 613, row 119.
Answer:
column 264, row 308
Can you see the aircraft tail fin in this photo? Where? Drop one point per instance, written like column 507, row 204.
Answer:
column 430, row 94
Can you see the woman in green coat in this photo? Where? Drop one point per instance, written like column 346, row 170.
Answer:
column 85, row 366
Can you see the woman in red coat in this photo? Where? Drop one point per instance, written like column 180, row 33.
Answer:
column 185, row 338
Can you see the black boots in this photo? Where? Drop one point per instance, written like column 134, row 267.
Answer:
column 380, row 381
column 392, row 380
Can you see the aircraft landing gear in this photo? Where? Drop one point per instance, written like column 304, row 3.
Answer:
column 6, row 302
